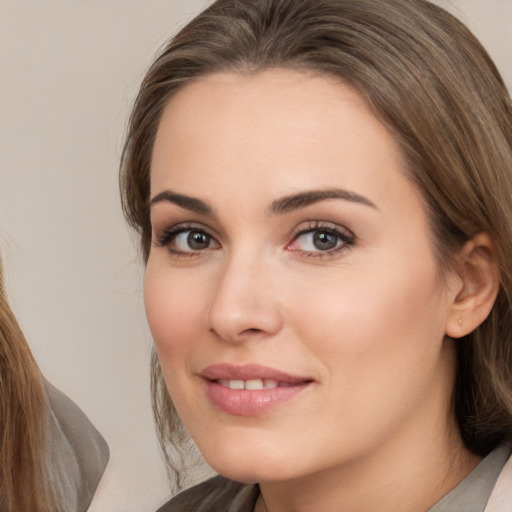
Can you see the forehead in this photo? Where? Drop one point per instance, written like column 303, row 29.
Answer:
column 274, row 130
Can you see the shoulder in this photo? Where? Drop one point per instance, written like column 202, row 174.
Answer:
column 214, row 495
column 81, row 445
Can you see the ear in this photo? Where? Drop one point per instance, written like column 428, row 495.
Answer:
column 478, row 284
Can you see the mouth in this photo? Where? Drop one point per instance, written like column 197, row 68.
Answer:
column 251, row 390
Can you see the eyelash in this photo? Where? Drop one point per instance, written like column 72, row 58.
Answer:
column 345, row 239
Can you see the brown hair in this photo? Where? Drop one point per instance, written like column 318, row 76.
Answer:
column 33, row 475
column 431, row 83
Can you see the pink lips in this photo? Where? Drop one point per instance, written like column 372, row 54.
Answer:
column 252, row 389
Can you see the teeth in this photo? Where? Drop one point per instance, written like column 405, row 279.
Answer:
column 252, row 384
column 236, row 384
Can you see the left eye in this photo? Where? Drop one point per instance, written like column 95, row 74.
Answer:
column 320, row 240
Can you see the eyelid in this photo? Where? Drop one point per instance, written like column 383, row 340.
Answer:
column 318, row 225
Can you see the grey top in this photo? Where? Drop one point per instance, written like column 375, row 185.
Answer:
column 88, row 448
column 473, row 493
column 219, row 494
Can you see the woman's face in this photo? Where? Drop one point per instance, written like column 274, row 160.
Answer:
column 291, row 288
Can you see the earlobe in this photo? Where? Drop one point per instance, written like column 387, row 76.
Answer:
column 478, row 278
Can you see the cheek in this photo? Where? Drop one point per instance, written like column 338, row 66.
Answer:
column 379, row 337
column 174, row 312
column 374, row 319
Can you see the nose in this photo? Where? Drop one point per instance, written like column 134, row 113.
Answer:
column 245, row 303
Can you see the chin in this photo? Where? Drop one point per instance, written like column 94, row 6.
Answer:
column 249, row 466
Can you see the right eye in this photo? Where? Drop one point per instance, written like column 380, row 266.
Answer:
column 187, row 241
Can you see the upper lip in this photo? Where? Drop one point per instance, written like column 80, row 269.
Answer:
column 249, row 372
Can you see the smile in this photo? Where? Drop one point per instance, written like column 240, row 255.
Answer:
column 250, row 390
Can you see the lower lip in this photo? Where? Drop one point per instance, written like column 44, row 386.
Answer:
column 243, row 402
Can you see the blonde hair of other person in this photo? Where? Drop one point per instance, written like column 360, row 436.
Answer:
column 38, row 472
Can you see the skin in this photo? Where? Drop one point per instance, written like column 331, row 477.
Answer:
column 365, row 321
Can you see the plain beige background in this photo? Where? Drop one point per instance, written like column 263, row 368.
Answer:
column 69, row 72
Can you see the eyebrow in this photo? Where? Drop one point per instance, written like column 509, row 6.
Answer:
column 302, row 199
column 190, row 203
column 278, row 207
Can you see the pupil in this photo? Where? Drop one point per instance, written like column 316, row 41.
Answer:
column 324, row 241
column 197, row 240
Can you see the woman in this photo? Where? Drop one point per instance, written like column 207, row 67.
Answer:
column 51, row 456
column 323, row 193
